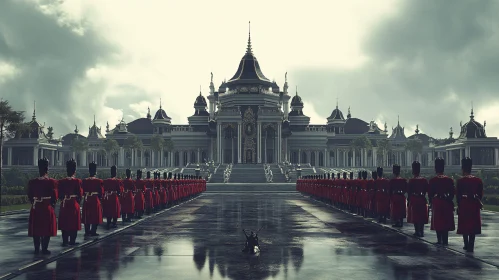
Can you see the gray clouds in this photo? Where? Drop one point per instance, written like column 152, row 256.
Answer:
column 426, row 63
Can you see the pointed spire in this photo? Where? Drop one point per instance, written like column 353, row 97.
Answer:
column 160, row 103
column 199, row 90
column 94, row 119
column 248, row 49
column 336, row 102
column 34, row 111
column 296, row 90
column 472, row 116
column 398, row 120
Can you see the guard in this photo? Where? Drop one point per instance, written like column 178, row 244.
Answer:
column 469, row 195
column 70, row 194
column 441, row 196
column 139, row 195
column 398, row 188
column 113, row 188
column 92, row 208
column 418, row 205
column 42, row 193
column 127, row 200
column 382, row 196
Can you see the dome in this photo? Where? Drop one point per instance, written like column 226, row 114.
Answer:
column 67, row 140
column 472, row 129
column 200, row 101
column 249, row 70
column 337, row 114
column 355, row 126
column 425, row 139
column 161, row 114
column 296, row 100
column 140, row 126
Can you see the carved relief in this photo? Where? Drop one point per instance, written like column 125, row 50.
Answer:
column 249, row 136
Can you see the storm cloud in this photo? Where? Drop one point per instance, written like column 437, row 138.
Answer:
column 427, row 63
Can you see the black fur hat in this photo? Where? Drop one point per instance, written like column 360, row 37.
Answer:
column 114, row 171
column 416, row 167
column 439, row 165
column 351, row 175
column 396, row 169
column 364, row 175
column 128, row 173
column 139, row 174
column 165, row 175
column 374, row 175
column 379, row 172
column 148, row 174
column 92, row 168
column 344, row 175
column 338, row 175
column 71, row 167
column 359, row 175
column 466, row 164
column 170, row 175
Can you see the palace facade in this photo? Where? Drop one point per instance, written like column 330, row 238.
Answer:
column 250, row 120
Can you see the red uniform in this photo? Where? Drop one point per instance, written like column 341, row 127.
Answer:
column 441, row 193
column 163, row 198
column 149, row 193
column 469, row 195
column 127, row 202
column 70, row 193
column 371, row 195
column 92, row 208
column 139, row 195
column 382, row 196
column 398, row 188
column 418, row 206
column 42, row 193
column 113, row 187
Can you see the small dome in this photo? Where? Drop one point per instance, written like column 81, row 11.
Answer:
column 296, row 101
column 472, row 129
column 161, row 115
column 336, row 115
column 200, row 101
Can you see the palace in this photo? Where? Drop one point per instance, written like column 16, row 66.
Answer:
column 250, row 120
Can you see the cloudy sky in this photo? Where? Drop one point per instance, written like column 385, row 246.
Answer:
column 423, row 60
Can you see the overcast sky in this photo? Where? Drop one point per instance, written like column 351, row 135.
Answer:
column 425, row 60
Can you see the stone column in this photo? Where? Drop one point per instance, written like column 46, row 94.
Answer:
column 467, row 151
column 460, row 153
column 326, row 158
column 259, row 142
column 279, row 143
column 239, row 141
column 199, row 155
column 375, row 156
column 353, row 159
column 450, row 157
column 496, row 152
column 9, row 156
column 309, row 155
column 35, row 155
column 316, row 158
column 299, row 156
column 52, row 156
column 84, row 158
column 219, row 140
column 153, row 163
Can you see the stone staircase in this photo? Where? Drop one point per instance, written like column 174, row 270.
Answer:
column 277, row 176
column 247, row 173
column 219, row 176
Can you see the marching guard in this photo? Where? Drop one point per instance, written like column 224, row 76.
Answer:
column 42, row 193
column 70, row 194
column 127, row 200
column 469, row 195
column 441, row 195
column 382, row 196
column 398, row 188
column 92, row 207
column 113, row 188
column 149, row 193
column 418, row 205
column 139, row 199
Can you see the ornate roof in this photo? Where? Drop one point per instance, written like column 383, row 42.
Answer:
column 200, row 101
column 121, row 128
column 398, row 132
column 161, row 114
column 337, row 114
column 94, row 132
column 296, row 100
column 472, row 129
column 249, row 70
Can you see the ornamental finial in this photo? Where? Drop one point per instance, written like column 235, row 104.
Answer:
column 34, row 110
column 248, row 49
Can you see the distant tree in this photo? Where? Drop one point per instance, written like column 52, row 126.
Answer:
column 157, row 144
column 11, row 125
column 133, row 143
column 360, row 143
column 79, row 145
column 384, row 148
column 110, row 148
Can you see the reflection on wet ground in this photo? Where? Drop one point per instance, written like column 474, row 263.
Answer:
column 300, row 239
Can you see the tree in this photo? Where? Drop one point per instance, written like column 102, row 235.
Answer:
column 360, row 143
column 110, row 148
column 11, row 124
column 415, row 146
column 157, row 144
column 384, row 147
column 133, row 143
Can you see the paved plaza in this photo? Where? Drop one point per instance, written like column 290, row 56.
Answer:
column 301, row 239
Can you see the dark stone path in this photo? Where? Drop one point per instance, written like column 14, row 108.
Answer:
column 300, row 239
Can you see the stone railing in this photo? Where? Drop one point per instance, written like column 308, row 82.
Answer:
column 227, row 173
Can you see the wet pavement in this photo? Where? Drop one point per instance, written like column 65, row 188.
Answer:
column 301, row 239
